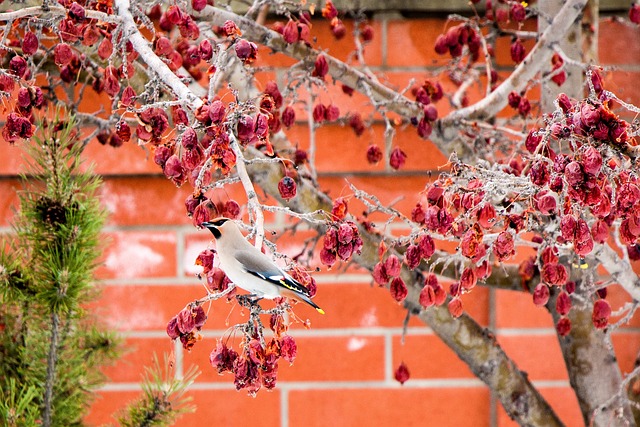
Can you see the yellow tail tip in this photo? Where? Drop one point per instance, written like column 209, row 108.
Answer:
column 321, row 311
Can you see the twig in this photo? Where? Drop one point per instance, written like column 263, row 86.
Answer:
column 252, row 196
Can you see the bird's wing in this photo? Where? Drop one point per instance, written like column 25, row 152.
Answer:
column 264, row 268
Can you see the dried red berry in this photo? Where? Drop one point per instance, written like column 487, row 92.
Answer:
column 600, row 231
column 380, row 275
column 546, row 204
column 287, row 188
column 601, row 313
column 332, row 113
column 338, row 29
column 111, row 81
column 518, row 51
column 573, row 174
column 321, row 67
column 425, row 128
column 427, row 246
column 397, row 159
column 455, row 307
column 514, row 99
column 29, row 43
column 468, row 279
column 123, row 130
column 290, row 32
column 524, row 107
column 503, row 247
column 17, row 127
column 18, row 66
column 413, row 256
column 329, row 11
column 174, row 15
column 554, row 273
column 441, row 47
column 541, row 295
column 105, row 48
column 288, row 117
column 223, row 358
column 634, row 13
column 246, row 51
column 583, row 243
column 518, row 12
column 356, row 123
column 366, row 32
column 563, row 303
column 427, row 296
column 128, row 97
column 339, row 209
column 402, row 374
column 374, row 154
column 319, row 113
column 398, row 289
column 591, row 161
column 288, row 348
column 392, row 266
column 563, row 327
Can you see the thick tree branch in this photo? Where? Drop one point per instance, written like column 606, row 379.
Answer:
column 525, row 72
column 591, row 365
column 155, row 64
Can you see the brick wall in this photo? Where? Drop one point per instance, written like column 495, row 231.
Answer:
column 343, row 375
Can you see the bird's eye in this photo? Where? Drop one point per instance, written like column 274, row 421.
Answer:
column 219, row 222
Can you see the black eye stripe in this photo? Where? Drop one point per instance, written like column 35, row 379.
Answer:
column 219, row 222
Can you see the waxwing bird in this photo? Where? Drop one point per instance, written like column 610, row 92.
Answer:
column 248, row 268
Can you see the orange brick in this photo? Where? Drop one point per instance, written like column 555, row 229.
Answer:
column 538, row 355
column 503, row 44
column 354, row 358
column 357, row 305
column 618, row 297
column 12, row 157
column 233, row 408
column 134, row 254
column 615, row 39
column 107, row 405
column 144, row 201
column 410, row 43
column 627, row 347
column 8, row 200
column 624, row 85
column 562, row 400
column 218, row 407
column 428, row 357
column 516, row 310
column 389, row 406
column 138, row 354
column 130, row 158
column 145, row 307
column 422, row 155
column 386, row 187
column 344, row 49
column 267, row 58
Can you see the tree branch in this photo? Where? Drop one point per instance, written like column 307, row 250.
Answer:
column 536, row 59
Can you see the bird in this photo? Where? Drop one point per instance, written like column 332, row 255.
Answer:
column 249, row 269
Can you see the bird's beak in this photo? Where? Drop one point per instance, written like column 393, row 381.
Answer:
column 206, row 224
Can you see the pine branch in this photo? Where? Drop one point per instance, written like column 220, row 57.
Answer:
column 52, row 361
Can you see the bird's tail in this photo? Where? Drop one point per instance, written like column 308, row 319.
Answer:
column 301, row 297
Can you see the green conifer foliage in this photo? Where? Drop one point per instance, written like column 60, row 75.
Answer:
column 51, row 348
column 51, row 345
